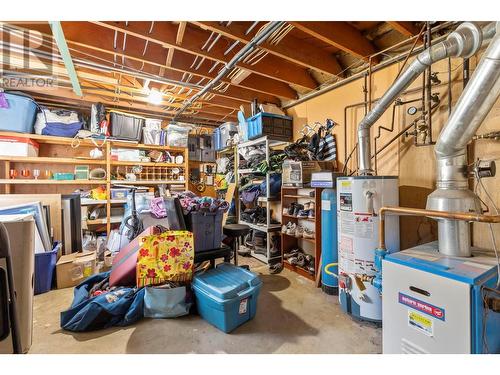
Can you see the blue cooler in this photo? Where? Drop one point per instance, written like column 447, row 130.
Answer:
column 20, row 115
column 226, row 296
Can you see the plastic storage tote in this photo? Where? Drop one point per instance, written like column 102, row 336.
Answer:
column 126, row 126
column 20, row 114
column 273, row 126
column 177, row 136
column 194, row 150
column 45, row 264
column 227, row 131
column 206, row 228
column 226, row 296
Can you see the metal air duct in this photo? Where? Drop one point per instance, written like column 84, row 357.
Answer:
column 452, row 193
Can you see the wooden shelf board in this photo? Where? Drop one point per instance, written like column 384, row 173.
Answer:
column 299, row 270
column 51, row 182
column 297, row 196
column 148, row 182
column 112, row 220
column 262, row 228
column 311, row 240
column 146, row 164
column 88, row 142
column 51, row 160
column 299, row 218
column 90, row 202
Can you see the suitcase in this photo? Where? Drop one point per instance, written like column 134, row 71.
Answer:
column 125, row 262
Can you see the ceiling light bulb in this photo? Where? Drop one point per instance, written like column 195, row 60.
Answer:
column 155, row 97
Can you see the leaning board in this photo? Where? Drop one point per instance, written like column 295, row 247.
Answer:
column 52, row 200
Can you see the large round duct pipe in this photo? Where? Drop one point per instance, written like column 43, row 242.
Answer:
column 463, row 42
column 452, row 193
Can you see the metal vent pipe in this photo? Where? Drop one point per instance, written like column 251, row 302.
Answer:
column 452, row 193
column 465, row 41
column 270, row 28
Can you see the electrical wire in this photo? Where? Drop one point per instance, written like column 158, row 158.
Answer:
column 492, row 234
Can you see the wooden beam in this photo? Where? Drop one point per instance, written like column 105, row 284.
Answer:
column 170, row 56
column 100, row 49
column 180, row 32
column 404, row 27
column 165, row 33
column 341, row 35
column 289, row 48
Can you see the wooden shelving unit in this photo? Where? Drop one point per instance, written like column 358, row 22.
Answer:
column 60, row 154
column 289, row 242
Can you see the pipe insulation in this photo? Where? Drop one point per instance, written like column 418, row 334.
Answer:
column 465, row 41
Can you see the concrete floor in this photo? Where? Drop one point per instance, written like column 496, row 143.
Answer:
column 292, row 317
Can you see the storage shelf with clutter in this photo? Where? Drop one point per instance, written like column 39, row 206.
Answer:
column 119, row 148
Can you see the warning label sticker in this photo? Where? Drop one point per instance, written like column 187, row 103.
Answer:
column 421, row 323
column 364, row 226
column 346, row 254
column 347, row 223
column 243, row 306
column 345, row 201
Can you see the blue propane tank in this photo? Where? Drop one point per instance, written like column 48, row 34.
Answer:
column 329, row 254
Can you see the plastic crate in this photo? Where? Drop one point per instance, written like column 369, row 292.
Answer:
column 227, row 131
column 126, row 126
column 226, row 296
column 217, row 141
column 45, row 264
column 20, row 115
column 206, row 228
column 273, row 126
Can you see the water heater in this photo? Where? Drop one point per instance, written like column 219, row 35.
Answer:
column 359, row 199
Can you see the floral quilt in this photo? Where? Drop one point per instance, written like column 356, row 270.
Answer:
column 168, row 256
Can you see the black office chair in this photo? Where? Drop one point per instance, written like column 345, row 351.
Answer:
column 9, row 322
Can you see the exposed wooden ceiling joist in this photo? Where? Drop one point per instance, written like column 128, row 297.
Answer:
column 98, row 49
column 341, row 35
column 405, row 27
column 165, row 34
column 289, row 48
column 180, row 32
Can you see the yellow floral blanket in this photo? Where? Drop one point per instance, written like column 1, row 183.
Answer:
column 165, row 257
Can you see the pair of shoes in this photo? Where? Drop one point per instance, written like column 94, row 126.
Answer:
column 284, row 228
column 292, row 253
column 275, row 268
column 308, row 233
column 291, row 229
column 307, row 212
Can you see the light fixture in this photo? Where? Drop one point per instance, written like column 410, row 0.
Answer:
column 155, row 97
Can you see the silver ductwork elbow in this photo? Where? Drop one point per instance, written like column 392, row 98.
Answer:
column 463, row 42
column 452, row 193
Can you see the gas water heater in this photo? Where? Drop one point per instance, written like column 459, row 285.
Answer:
column 359, row 199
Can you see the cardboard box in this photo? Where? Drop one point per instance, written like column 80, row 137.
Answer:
column 73, row 268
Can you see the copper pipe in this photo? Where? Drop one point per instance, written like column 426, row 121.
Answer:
column 463, row 216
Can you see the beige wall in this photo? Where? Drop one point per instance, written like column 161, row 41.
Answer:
column 415, row 166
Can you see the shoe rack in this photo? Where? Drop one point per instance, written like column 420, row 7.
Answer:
column 289, row 242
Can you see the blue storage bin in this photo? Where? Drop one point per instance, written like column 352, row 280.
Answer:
column 273, row 126
column 45, row 263
column 226, row 296
column 20, row 116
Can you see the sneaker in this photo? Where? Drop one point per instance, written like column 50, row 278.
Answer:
column 291, row 230
column 310, row 268
column 292, row 253
column 291, row 208
column 303, row 214
column 293, row 261
column 311, row 214
column 299, row 231
column 297, row 209
column 311, row 205
column 308, row 233
column 306, row 206
column 284, row 228
column 301, row 260
column 275, row 268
